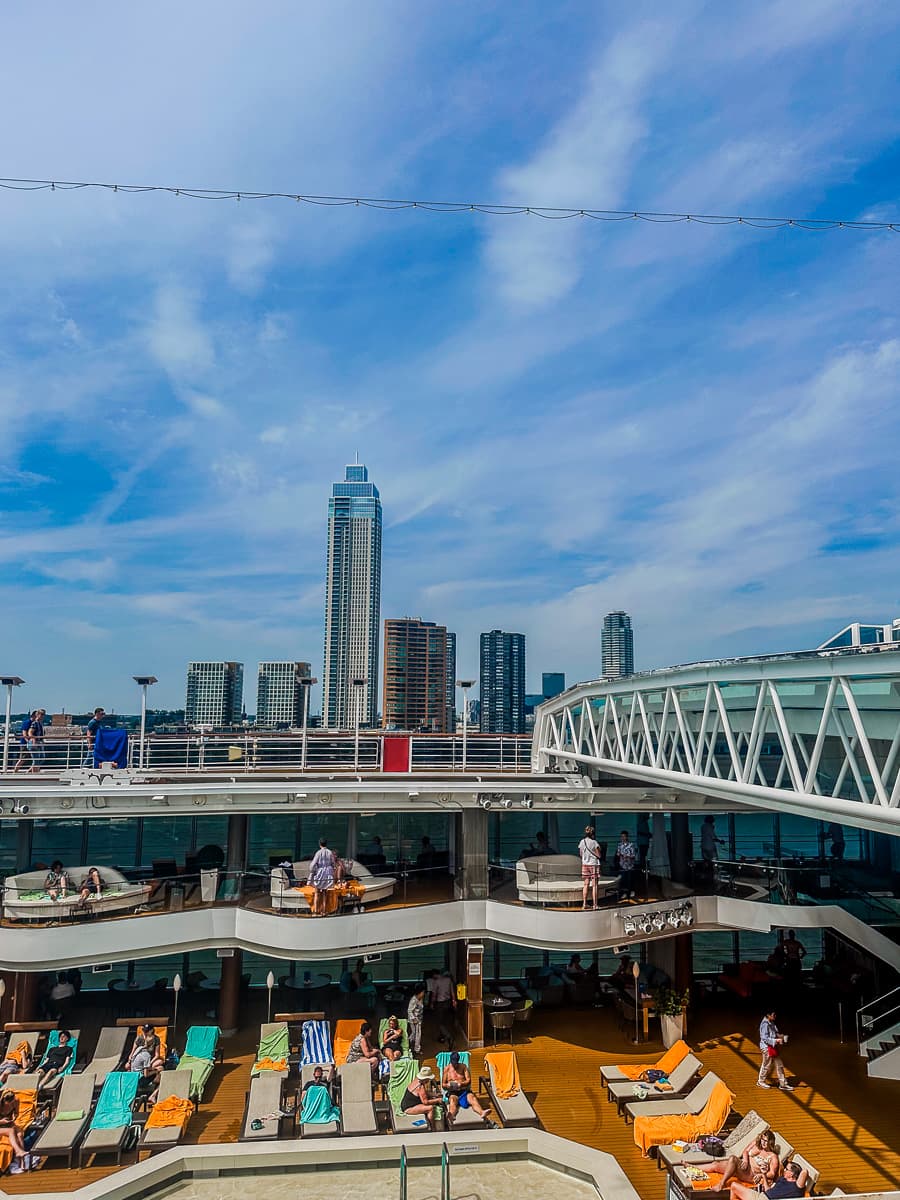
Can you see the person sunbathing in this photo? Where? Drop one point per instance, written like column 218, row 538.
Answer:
column 319, row 1079
column 363, row 1048
column 19, row 1061
column 9, row 1112
column 790, row 1186
column 417, row 1099
column 392, row 1041
column 757, row 1166
column 457, row 1085
column 56, row 883
column 57, row 1059
column 92, row 888
column 146, row 1053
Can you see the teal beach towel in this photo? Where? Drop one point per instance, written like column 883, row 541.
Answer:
column 317, row 1107
column 202, row 1041
column 114, row 1106
column 52, row 1041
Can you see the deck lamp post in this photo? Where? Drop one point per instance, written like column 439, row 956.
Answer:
column 636, row 973
column 465, row 684
column 176, row 988
column 10, row 681
column 143, row 682
column 358, row 684
column 306, row 682
column 270, row 984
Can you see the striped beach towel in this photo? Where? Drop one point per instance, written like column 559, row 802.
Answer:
column 316, row 1043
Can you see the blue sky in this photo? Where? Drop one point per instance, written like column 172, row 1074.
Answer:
column 698, row 425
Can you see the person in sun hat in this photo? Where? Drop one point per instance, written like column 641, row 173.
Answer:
column 417, row 1099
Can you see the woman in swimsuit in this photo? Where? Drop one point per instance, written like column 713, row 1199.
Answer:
column 392, row 1042
column 758, row 1165
column 417, row 1100
column 9, row 1111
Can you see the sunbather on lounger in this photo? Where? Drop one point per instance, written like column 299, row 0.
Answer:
column 9, row 1111
column 18, row 1061
column 417, row 1099
column 790, row 1186
column 56, row 1059
column 319, row 1079
column 757, row 1166
column 392, row 1042
column 457, row 1085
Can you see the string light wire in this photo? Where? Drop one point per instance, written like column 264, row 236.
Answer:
column 546, row 213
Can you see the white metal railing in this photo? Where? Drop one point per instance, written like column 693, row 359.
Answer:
column 877, row 1016
column 249, row 751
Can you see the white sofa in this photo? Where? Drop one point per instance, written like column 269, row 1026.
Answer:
column 378, row 887
column 556, row 879
column 26, row 899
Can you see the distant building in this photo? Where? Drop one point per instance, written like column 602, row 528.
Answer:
column 215, row 693
column 859, row 634
column 502, row 682
column 352, row 602
column 532, row 700
column 553, row 682
column 617, row 644
column 416, row 668
column 279, row 693
column 451, row 682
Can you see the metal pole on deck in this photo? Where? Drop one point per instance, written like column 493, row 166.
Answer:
column 11, row 681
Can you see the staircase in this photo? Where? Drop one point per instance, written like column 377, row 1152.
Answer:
column 878, row 1029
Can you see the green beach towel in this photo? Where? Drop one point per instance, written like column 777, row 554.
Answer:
column 404, row 1027
column 114, row 1106
column 200, row 1069
column 403, row 1072
column 52, row 1041
column 317, row 1107
column 202, row 1041
column 274, row 1045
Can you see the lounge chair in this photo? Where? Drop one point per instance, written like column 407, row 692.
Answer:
column 30, row 1038
column 263, row 1107
column 357, row 1108
column 274, row 1047
column 55, row 1083
column 466, row 1118
column 344, row 1033
column 403, row 1071
column 633, row 1071
column 169, row 1116
column 201, row 1049
column 316, row 1036
column 663, row 1122
column 319, row 1116
column 510, row 1103
column 112, row 1116
column 109, row 1053
column 61, row 1136
column 680, row 1081
column 737, row 1141
column 404, row 1029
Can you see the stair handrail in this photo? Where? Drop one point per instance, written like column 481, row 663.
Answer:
column 403, row 1173
column 866, row 1023
column 445, row 1172
column 879, row 1000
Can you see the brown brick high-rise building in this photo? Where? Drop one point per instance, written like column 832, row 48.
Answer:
column 417, row 669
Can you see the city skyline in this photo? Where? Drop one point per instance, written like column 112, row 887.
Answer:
column 691, row 423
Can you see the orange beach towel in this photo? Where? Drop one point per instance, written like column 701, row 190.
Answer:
column 506, row 1074
column 663, row 1131
column 171, row 1111
column 348, row 889
column 270, row 1064
column 344, row 1033
column 18, row 1053
column 666, row 1064
column 27, row 1108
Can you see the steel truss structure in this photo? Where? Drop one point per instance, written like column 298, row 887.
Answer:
column 816, row 734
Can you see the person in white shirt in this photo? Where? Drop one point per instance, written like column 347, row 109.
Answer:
column 442, row 998
column 589, row 849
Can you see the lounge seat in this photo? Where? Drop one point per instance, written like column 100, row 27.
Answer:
column 60, row 1137
column 26, row 899
column 344, row 1033
column 25, row 1087
column 466, row 1118
column 663, row 1122
column 286, row 898
column 317, row 1127
column 632, row 1071
column 357, row 1107
column 264, row 1106
column 30, row 1038
column 201, row 1049
column 404, row 1029
column 316, row 1038
column 403, row 1071
column 556, row 879
column 680, row 1081
column 510, row 1103
column 744, row 1134
column 112, row 1116
column 274, row 1047
column 108, row 1053
column 169, row 1116
column 53, row 1085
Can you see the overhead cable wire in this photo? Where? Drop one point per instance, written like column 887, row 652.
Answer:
column 545, row 212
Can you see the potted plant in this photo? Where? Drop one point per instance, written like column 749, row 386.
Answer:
column 670, row 1005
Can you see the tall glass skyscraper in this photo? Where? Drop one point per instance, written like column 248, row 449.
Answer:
column 215, row 693
column 352, row 602
column 617, row 645
column 502, row 682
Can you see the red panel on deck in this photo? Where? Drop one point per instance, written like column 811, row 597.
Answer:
column 396, row 756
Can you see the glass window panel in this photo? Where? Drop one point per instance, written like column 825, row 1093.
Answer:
column 514, row 959
column 9, row 841
column 416, row 825
column 272, row 836
column 711, row 950
column 754, row 835
column 799, row 836
column 570, row 830
column 112, row 841
column 330, row 825
column 414, row 963
column 212, row 830
column 57, row 839
column 165, row 837
column 382, row 825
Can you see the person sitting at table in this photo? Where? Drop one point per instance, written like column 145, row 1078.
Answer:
column 574, row 966
column 19, row 1060
column 57, row 881
column 363, row 1048
column 457, row 1084
column 56, row 1059
column 92, row 888
column 392, row 1041
column 622, row 977
column 425, row 857
column 321, row 876
column 417, row 1099
column 146, row 1052
column 758, row 1165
